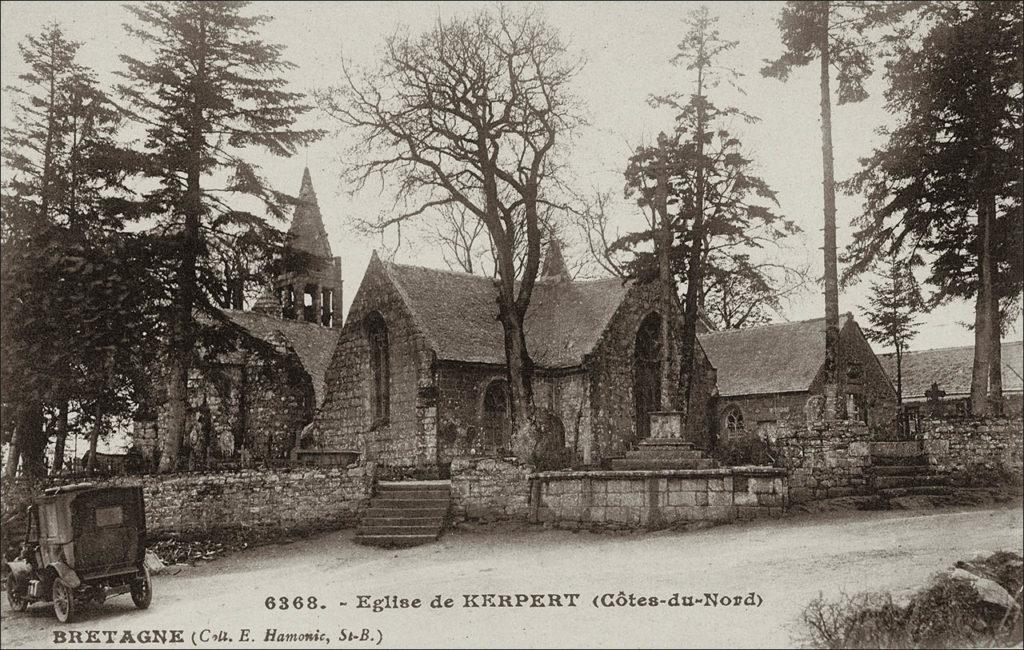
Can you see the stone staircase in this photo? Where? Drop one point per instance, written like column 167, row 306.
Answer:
column 405, row 513
column 664, row 453
column 901, row 469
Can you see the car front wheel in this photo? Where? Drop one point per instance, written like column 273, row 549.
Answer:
column 63, row 601
column 142, row 590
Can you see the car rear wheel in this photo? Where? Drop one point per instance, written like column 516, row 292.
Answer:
column 18, row 603
column 63, row 601
column 142, row 590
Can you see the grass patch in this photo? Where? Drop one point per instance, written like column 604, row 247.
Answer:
column 948, row 613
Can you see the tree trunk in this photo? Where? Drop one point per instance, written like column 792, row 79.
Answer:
column 94, row 438
column 694, row 270
column 995, row 351
column 32, row 440
column 982, row 316
column 899, row 375
column 183, row 333
column 663, row 240
column 61, row 438
column 14, row 455
column 828, row 183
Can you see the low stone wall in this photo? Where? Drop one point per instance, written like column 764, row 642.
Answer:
column 655, row 498
column 825, row 460
column 490, row 489
column 303, row 498
column 973, row 450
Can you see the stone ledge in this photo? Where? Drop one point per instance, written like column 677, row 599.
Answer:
column 741, row 470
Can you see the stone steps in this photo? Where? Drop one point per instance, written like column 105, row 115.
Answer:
column 922, row 480
column 432, row 494
column 663, row 453
column 668, row 454
column 918, row 490
column 900, row 469
column 663, row 463
column 405, row 513
column 882, row 461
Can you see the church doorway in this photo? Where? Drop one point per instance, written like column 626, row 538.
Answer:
column 647, row 373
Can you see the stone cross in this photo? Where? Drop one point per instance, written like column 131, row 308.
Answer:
column 934, row 395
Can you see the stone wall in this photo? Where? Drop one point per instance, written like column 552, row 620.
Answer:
column 974, row 450
column 825, row 460
column 658, row 498
column 300, row 498
column 407, row 437
column 491, row 489
column 246, row 403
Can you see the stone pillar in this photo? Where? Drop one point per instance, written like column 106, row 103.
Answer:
column 316, row 304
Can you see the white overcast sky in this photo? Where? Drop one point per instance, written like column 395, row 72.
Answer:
column 627, row 47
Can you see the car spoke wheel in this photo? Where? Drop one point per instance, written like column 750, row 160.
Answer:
column 63, row 600
column 142, row 590
column 18, row 603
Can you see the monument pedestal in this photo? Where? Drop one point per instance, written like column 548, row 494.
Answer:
column 666, row 448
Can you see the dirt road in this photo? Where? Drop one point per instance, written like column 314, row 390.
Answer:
column 785, row 563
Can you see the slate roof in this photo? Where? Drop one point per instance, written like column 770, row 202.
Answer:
column 775, row 358
column 458, row 314
column 313, row 344
column 951, row 369
column 307, row 232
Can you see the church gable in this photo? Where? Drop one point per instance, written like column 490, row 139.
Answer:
column 382, row 360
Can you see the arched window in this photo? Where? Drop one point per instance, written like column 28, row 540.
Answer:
column 647, row 373
column 496, row 419
column 733, row 419
column 380, row 366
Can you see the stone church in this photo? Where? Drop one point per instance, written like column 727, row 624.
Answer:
column 250, row 402
column 418, row 375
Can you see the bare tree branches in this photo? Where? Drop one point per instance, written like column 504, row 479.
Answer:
column 471, row 114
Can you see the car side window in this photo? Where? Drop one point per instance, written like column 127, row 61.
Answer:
column 109, row 516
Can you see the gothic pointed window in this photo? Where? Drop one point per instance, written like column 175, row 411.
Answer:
column 380, row 367
column 496, row 418
column 647, row 373
column 733, row 420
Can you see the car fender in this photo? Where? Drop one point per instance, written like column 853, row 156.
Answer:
column 19, row 571
column 66, row 573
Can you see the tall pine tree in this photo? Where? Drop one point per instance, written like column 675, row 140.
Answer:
column 946, row 186
column 209, row 91
column 839, row 36
column 67, row 262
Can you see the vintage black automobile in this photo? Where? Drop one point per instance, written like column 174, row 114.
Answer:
column 83, row 544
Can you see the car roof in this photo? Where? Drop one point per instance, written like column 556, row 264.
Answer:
column 70, row 492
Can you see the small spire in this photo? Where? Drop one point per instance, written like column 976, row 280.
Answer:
column 554, row 264
column 306, row 193
column 307, row 228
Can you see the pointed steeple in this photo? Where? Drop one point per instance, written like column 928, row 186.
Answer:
column 554, row 264
column 312, row 291
column 307, row 230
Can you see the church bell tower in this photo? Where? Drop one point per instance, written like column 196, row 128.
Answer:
column 310, row 288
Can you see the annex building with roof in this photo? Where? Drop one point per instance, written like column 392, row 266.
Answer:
column 418, row 376
column 937, row 382
column 767, row 373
